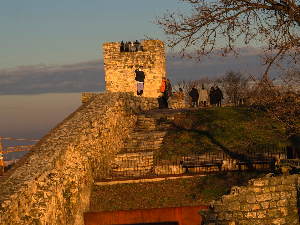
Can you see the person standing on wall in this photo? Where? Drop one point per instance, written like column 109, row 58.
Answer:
column 140, row 77
column 203, row 96
column 219, row 96
column 195, row 96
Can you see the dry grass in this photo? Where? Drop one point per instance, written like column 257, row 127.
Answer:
column 170, row 193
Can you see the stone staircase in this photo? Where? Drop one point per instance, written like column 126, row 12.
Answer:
column 154, row 122
column 149, row 133
column 144, row 141
column 136, row 159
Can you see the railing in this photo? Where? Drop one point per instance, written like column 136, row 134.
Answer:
column 147, row 164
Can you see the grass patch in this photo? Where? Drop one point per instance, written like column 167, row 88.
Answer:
column 231, row 129
column 198, row 190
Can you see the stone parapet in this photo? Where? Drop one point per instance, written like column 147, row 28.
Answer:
column 52, row 183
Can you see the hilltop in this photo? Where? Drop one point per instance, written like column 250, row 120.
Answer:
column 198, row 131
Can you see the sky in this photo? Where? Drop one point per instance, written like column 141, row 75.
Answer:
column 51, row 52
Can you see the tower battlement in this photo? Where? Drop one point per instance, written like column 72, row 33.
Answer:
column 120, row 65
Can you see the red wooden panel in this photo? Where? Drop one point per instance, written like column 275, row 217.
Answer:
column 182, row 215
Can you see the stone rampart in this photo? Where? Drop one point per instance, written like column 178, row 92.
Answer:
column 52, row 183
column 269, row 200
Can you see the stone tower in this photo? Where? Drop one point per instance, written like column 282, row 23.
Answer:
column 120, row 65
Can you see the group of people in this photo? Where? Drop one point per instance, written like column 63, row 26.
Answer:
column 164, row 100
column 200, row 97
column 215, row 96
column 131, row 46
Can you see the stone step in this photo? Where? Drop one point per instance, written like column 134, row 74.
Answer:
column 143, row 148
column 143, row 145
column 154, row 122
column 144, row 141
column 130, row 173
column 147, row 134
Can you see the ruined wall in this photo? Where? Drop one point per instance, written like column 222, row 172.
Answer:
column 52, row 183
column 269, row 200
column 120, row 66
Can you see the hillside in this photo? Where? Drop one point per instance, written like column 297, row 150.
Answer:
column 228, row 129
column 198, row 131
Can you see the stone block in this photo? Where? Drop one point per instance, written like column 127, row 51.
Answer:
column 257, row 190
column 245, row 207
column 274, row 181
column 272, row 204
column 255, row 207
column 261, row 182
column 279, row 221
column 233, row 206
column 275, row 213
column 288, row 180
column 283, row 188
column 228, row 216
column 282, row 203
column 250, row 215
column 285, row 195
column 263, row 197
column 261, row 214
column 275, row 196
column 251, row 197
column 294, row 194
column 238, row 215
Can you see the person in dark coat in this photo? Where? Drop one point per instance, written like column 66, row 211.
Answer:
column 213, row 97
column 195, row 96
column 160, row 100
column 122, row 47
column 163, row 96
column 140, row 77
column 219, row 96
column 168, row 94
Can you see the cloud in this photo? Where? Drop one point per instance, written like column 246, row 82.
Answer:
column 248, row 61
column 183, row 68
column 89, row 76
column 38, row 79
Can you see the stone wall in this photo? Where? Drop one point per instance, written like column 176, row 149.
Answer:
column 52, row 183
column 120, row 66
column 269, row 200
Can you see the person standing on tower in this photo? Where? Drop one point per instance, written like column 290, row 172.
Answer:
column 140, row 77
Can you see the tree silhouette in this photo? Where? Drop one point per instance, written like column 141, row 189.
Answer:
column 222, row 26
